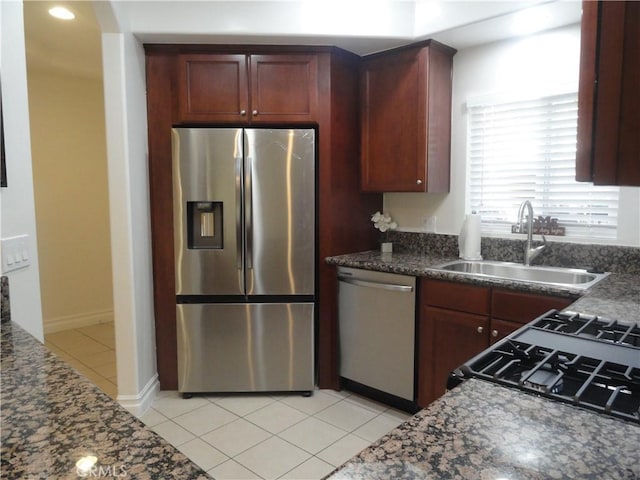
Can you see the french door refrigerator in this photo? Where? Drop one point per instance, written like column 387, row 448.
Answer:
column 245, row 252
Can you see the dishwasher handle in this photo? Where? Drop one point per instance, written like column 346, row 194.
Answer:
column 383, row 286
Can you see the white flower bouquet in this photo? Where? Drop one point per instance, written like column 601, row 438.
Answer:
column 383, row 222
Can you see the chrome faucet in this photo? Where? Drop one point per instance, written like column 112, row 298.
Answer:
column 529, row 253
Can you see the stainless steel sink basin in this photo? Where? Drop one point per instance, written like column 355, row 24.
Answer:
column 569, row 277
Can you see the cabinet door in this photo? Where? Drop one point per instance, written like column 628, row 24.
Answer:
column 523, row 307
column 456, row 296
column 502, row 328
column 394, row 123
column 406, row 120
column 284, row 88
column 447, row 339
column 609, row 99
column 212, row 88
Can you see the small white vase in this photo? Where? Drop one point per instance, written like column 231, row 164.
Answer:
column 386, row 247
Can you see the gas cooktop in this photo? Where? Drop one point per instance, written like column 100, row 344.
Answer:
column 585, row 360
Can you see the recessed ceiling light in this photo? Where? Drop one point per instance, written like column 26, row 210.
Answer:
column 61, row 13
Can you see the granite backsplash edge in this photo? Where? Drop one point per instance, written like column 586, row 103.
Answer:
column 6, row 305
column 594, row 257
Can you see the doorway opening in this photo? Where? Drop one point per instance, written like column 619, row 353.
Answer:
column 68, row 145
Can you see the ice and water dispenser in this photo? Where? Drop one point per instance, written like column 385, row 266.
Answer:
column 205, row 225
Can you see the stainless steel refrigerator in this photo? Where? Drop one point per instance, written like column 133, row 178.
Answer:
column 245, row 251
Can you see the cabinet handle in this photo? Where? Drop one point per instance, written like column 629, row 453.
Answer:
column 494, row 333
column 480, row 329
column 418, row 182
column 243, row 112
column 255, row 112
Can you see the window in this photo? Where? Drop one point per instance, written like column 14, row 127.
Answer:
column 525, row 149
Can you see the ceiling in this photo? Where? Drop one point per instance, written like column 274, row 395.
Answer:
column 74, row 46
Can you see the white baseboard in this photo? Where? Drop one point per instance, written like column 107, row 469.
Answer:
column 139, row 404
column 77, row 321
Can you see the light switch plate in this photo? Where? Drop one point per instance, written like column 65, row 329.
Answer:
column 429, row 223
column 15, row 253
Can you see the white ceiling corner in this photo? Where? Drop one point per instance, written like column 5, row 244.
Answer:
column 361, row 26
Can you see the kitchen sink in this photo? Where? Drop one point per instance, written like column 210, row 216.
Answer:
column 569, row 277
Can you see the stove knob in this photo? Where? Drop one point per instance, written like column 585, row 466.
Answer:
column 494, row 333
column 480, row 329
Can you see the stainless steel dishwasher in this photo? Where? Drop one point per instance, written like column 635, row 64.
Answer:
column 376, row 314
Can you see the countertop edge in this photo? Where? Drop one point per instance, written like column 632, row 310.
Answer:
column 52, row 415
column 616, row 297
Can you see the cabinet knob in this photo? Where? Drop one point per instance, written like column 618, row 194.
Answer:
column 243, row 112
column 480, row 329
column 494, row 333
column 418, row 182
column 255, row 112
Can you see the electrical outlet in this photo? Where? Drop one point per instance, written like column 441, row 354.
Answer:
column 15, row 253
column 429, row 223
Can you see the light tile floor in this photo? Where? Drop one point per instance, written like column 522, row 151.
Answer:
column 270, row 436
column 91, row 351
column 285, row 436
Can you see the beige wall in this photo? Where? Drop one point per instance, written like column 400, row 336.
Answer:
column 72, row 211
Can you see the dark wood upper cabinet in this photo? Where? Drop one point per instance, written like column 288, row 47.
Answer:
column 608, row 150
column 228, row 88
column 213, row 88
column 284, row 88
column 406, row 119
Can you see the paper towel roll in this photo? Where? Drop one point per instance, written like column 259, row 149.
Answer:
column 469, row 240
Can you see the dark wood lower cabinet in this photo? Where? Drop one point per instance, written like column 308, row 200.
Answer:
column 523, row 307
column 458, row 321
column 448, row 339
column 501, row 328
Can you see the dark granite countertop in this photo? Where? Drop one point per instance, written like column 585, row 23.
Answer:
column 51, row 417
column 616, row 297
column 480, row 430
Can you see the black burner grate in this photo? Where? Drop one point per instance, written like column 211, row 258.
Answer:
column 591, row 326
column 571, row 376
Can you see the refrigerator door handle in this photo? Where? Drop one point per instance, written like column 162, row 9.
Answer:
column 239, row 249
column 248, row 211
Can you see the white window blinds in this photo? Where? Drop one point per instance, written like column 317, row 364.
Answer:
column 521, row 150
